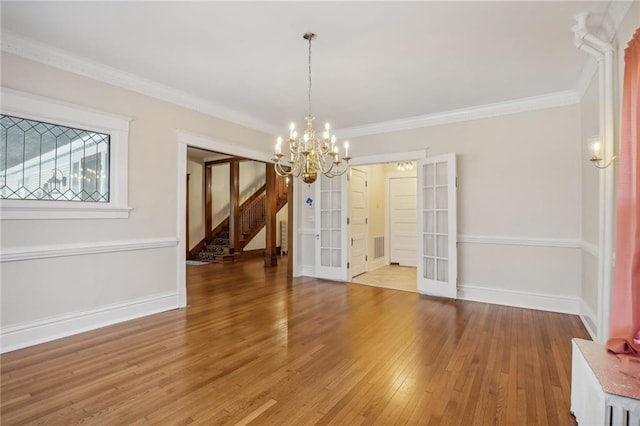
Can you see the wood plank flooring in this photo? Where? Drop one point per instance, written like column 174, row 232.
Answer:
column 255, row 348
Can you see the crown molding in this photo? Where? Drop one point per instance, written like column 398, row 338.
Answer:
column 42, row 53
column 608, row 28
column 550, row 100
column 39, row 52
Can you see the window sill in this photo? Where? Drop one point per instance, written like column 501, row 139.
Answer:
column 39, row 210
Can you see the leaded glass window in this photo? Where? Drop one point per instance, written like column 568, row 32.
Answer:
column 43, row 161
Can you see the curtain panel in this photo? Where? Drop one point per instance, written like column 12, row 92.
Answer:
column 625, row 313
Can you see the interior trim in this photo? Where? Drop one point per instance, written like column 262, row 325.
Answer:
column 520, row 299
column 78, row 249
column 34, row 332
column 520, row 241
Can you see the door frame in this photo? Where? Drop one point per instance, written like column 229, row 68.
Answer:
column 395, row 157
column 302, row 230
column 387, row 210
column 186, row 138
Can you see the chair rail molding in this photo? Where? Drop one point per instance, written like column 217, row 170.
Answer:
column 80, row 249
column 520, row 241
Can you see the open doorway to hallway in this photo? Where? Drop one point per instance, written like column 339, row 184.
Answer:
column 230, row 202
column 383, row 232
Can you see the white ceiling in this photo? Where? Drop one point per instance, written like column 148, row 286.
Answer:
column 372, row 61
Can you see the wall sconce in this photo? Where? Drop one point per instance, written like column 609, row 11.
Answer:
column 595, row 147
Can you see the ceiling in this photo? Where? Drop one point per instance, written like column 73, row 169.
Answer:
column 372, row 62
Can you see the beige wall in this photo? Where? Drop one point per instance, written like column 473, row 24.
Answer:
column 519, row 179
column 90, row 282
column 376, row 207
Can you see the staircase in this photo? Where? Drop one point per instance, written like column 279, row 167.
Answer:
column 252, row 220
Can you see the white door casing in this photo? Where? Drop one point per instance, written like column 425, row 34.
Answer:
column 358, row 222
column 437, row 230
column 331, row 228
column 402, row 220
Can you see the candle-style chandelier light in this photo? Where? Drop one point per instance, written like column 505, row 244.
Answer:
column 311, row 154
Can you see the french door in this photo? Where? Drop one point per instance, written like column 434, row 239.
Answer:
column 358, row 222
column 331, row 228
column 437, row 231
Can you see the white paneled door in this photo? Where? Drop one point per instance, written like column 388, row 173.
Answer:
column 331, row 228
column 358, row 222
column 437, row 233
column 402, row 220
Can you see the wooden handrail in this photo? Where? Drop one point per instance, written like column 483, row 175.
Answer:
column 252, row 212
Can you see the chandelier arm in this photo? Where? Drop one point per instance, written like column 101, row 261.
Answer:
column 336, row 174
column 327, row 169
column 280, row 171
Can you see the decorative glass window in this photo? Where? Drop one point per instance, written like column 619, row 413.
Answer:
column 43, row 161
column 60, row 160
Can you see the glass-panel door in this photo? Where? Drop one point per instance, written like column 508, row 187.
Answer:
column 437, row 233
column 331, row 228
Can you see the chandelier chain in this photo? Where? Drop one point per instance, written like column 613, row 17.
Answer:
column 309, row 76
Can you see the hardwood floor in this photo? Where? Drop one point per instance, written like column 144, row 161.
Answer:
column 254, row 347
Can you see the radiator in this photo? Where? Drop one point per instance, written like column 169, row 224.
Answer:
column 378, row 247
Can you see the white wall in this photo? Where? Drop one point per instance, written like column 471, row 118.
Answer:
column 130, row 268
column 196, row 203
column 589, row 119
column 252, row 177
column 220, row 193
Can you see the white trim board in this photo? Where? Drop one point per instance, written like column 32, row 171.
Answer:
column 590, row 248
column 520, row 241
column 520, row 299
column 589, row 319
column 79, row 249
column 35, row 332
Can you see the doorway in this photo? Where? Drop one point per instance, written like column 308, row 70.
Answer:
column 188, row 139
column 402, row 220
column 371, row 189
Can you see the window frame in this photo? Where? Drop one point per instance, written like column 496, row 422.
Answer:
column 33, row 107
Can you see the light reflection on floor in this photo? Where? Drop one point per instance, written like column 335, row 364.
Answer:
column 391, row 276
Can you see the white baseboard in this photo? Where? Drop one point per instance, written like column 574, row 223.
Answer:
column 35, row 332
column 520, row 299
column 308, row 271
column 589, row 319
column 375, row 264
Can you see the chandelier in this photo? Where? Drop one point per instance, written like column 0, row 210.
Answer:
column 311, row 154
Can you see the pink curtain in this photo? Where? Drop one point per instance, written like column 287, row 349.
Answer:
column 625, row 312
